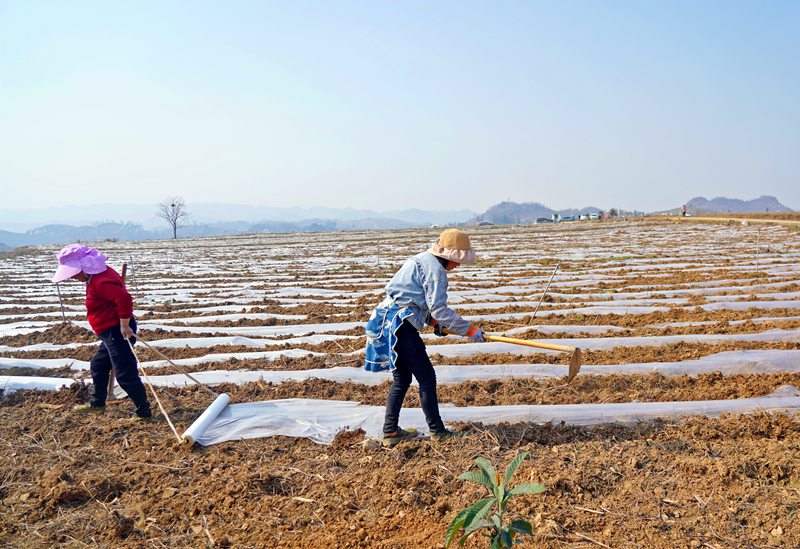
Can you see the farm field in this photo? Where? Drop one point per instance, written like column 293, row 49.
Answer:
column 683, row 326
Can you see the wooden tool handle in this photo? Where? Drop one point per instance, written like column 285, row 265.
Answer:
column 124, row 271
column 529, row 343
column 526, row 342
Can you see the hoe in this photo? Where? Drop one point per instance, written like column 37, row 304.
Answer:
column 574, row 361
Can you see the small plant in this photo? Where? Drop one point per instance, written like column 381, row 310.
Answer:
column 474, row 518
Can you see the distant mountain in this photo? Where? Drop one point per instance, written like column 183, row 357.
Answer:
column 700, row 205
column 436, row 217
column 96, row 222
column 514, row 213
column 64, row 234
column 205, row 213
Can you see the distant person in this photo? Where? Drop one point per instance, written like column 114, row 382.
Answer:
column 109, row 309
column 415, row 296
column 683, row 210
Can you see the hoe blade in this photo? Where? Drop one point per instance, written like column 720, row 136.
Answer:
column 574, row 364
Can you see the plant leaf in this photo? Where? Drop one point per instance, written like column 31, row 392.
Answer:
column 475, row 527
column 512, row 468
column 477, row 511
column 506, row 538
column 521, row 527
column 454, row 527
column 487, row 468
column 478, row 477
column 530, row 488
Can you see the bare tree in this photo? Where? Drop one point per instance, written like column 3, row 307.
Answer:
column 172, row 210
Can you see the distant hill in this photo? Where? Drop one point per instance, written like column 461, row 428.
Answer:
column 700, row 205
column 20, row 220
column 515, row 213
column 64, row 234
column 69, row 224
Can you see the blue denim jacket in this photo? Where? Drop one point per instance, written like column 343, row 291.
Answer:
column 421, row 287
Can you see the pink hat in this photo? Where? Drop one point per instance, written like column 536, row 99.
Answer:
column 75, row 258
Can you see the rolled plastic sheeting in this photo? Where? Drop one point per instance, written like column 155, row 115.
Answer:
column 9, row 384
column 321, row 420
column 197, row 428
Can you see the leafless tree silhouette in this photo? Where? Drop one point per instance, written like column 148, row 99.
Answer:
column 172, row 210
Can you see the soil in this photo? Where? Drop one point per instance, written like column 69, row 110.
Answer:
column 787, row 216
column 72, row 480
column 60, row 334
column 69, row 480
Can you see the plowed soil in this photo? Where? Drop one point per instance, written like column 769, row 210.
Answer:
column 72, row 480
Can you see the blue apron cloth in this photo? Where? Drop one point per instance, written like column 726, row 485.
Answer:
column 382, row 336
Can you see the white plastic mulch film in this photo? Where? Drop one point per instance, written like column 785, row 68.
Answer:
column 727, row 363
column 9, row 384
column 321, row 420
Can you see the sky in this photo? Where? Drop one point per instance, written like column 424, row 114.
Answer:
column 390, row 105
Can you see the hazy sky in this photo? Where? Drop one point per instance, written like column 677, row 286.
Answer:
column 399, row 104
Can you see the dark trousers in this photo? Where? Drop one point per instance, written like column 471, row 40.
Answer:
column 114, row 352
column 412, row 360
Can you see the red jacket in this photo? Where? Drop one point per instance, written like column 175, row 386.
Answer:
column 107, row 301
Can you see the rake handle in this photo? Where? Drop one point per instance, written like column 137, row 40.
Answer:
column 526, row 342
column 529, row 343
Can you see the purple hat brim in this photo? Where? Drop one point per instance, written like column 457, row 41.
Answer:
column 64, row 272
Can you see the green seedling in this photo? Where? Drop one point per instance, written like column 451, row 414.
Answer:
column 475, row 519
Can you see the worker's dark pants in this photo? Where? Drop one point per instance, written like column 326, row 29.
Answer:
column 412, row 360
column 114, row 352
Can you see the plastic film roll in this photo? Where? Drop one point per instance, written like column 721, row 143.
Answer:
column 205, row 419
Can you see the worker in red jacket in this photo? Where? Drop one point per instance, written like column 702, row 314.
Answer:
column 109, row 309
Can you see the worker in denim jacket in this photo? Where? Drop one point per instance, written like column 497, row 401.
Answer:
column 415, row 296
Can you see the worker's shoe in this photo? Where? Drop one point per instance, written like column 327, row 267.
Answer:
column 393, row 439
column 88, row 409
column 447, row 434
column 138, row 419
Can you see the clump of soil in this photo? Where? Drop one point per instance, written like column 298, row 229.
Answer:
column 346, row 438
